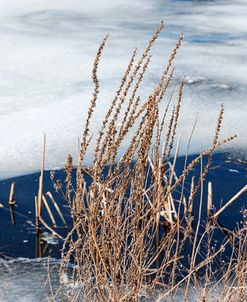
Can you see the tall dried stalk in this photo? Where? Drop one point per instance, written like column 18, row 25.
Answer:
column 130, row 231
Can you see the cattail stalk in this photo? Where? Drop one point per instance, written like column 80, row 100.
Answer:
column 49, row 211
column 12, row 203
column 40, row 191
column 57, row 208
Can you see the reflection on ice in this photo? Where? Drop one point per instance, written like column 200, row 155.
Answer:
column 46, row 53
column 193, row 80
column 49, row 238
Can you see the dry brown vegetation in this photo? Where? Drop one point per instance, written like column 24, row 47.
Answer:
column 133, row 237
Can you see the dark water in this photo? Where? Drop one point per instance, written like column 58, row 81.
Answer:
column 24, row 277
column 19, row 240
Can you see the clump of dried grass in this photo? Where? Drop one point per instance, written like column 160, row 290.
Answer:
column 133, row 224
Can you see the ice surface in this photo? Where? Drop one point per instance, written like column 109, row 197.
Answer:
column 26, row 280
column 46, row 53
column 30, row 280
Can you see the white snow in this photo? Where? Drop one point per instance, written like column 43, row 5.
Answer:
column 46, row 52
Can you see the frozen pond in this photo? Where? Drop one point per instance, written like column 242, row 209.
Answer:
column 46, row 53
